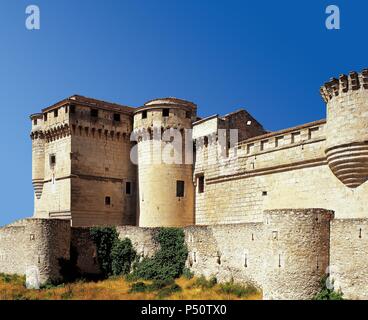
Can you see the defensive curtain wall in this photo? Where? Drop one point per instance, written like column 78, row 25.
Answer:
column 286, row 254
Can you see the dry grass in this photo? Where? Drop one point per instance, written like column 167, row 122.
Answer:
column 12, row 288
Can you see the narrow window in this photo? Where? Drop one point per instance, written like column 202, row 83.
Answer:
column 107, row 201
column 35, row 122
column 180, row 188
column 144, row 114
column 195, row 257
column 66, row 109
column 200, row 184
column 188, row 114
column 250, row 148
column 45, row 117
column 279, row 260
column 218, row 258
column 72, row 108
column 360, row 233
column 128, row 187
column 205, row 141
column 56, row 113
column 246, row 260
column 165, row 112
column 117, row 117
column 94, row 113
column 52, row 160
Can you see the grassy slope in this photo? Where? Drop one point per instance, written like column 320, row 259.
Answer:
column 12, row 287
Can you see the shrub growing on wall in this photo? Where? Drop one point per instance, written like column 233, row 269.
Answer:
column 114, row 256
column 328, row 293
column 104, row 239
column 122, row 256
column 169, row 261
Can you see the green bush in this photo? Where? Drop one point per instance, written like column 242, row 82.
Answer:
column 326, row 293
column 114, row 256
column 164, row 288
column 168, row 291
column 138, row 287
column 104, row 239
column 203, row 283
column 237, row 289
column 122, row 256
column 187, row 274
column 169, row 261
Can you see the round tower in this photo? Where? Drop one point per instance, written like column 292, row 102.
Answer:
column 347, row 127
column 38, row 154
column 165, row 166
column 296, row 256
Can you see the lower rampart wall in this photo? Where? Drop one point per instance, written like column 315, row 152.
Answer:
column 286, row 255
column 349, row 257
column 31, row 243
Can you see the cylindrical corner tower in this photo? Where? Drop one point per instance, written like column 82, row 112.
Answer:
column 165, row 166
column 347, row 127
column 297, row 245
column 38, row 155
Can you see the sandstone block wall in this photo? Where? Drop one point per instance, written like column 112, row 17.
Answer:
column 263, row 172
column 349, row 257
column 161, row 165
column 35, row 243
column 296, row 253
column 233, row 251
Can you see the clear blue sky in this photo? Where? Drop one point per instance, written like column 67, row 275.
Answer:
column 267, row 57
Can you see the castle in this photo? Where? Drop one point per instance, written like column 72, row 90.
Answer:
column 250, row 201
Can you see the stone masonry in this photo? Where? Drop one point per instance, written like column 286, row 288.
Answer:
column 95, row 163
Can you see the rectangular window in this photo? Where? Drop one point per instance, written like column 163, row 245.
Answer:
column 250, row 148
column 107, row 201
column 94, row 113
column 128, row 187
column 66, row 109
column 144, row 114
column 201, row 184
column 188, row 114
column 56, row 113
column 52, row 160
column 179, row 188
column 35, row 122
column 279, row 141
column 117, row 117
column 264, row 145
column 45, row 117
column 312, row 132
column 165, row 112
column 72, row 108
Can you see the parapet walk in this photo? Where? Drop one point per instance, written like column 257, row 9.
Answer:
column 286, row 255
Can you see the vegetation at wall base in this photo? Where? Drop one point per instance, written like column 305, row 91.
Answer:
column 113, row 288
column 104, row 239
column 327, row 293
column 237, row 289
column 115, row 256
column 169, row 261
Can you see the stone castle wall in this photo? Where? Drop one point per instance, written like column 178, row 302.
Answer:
column 263, row 172
column 286, row 255
column 34, row 243
column 101, row 167
column 349, row 252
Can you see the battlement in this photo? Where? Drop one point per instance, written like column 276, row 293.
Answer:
column 351, row 82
